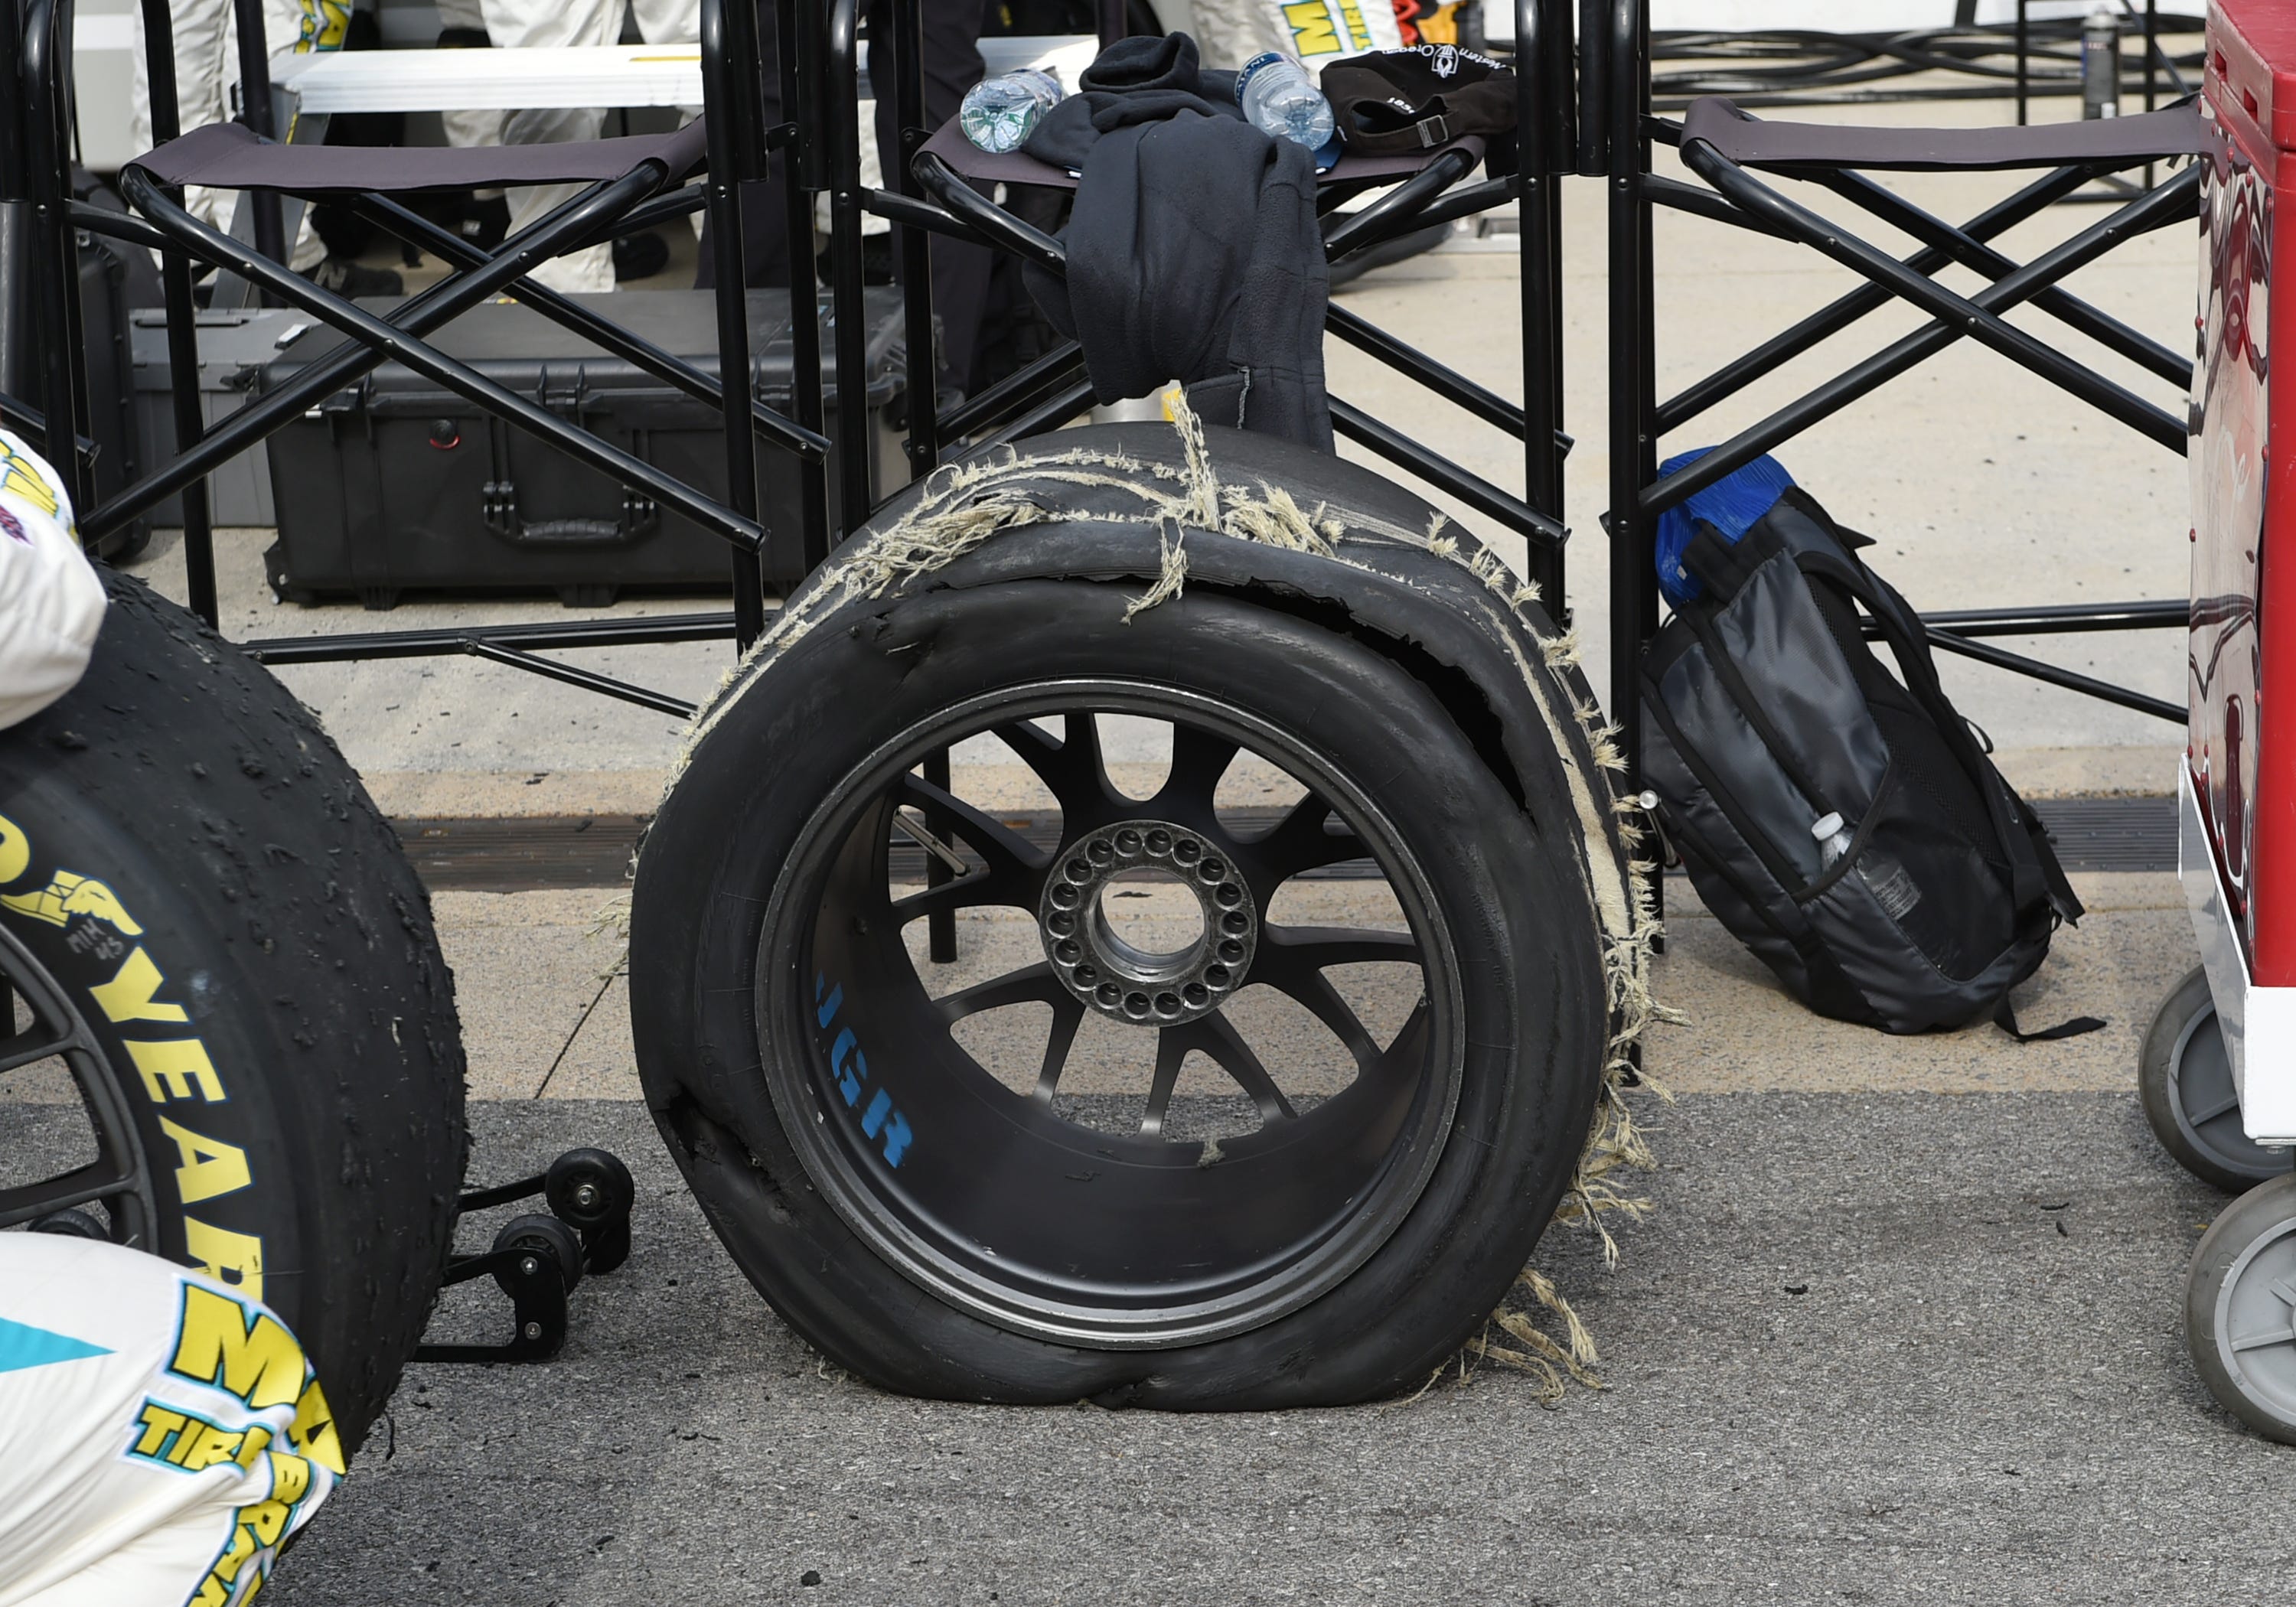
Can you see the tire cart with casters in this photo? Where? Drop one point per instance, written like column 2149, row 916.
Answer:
column 2221, row 1059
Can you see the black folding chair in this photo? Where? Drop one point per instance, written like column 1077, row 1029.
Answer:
column 630, row 183
column 1728, row 148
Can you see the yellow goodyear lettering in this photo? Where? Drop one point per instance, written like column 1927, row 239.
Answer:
column 175, row 1069
column 205, row 1167
column 15, row 848
column 230, row 1257
column 131, row 995
column 1357, row 32
column 247, row 1353
column 71, row 894
column 1312, row 33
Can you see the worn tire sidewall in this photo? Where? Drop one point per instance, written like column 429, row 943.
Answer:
column 1507, row 883
column 292, row 944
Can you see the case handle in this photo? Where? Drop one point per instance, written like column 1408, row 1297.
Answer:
column 498, row 500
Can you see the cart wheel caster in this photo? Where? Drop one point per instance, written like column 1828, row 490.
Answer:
column 592, row 1191
column 2240, row 1309
column 2184, row 1078
column 72, row 1223
column 547, row 1237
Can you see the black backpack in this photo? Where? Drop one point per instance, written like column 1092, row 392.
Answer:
column 1845, row 825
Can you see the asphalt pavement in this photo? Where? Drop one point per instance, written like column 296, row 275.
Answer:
column 1870, row 1347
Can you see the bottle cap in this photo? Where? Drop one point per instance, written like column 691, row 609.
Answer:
column 1825, row 825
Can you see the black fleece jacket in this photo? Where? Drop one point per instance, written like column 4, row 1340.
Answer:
column 1194, row 252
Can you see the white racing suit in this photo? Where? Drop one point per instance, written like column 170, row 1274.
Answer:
column 51, row 602
column 161, row 1436
column 207, row 79
column 515, row 24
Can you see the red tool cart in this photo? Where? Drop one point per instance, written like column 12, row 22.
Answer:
column 2219, row 1065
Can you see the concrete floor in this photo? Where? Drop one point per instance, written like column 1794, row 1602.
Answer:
column 1875, row 1348
column 1903, row 1327
column 545, row 1002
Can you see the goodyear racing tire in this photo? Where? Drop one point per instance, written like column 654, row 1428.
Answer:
column 1281, row 1132
column 191, row 873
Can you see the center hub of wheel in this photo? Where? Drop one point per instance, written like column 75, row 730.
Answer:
column 1123, row 979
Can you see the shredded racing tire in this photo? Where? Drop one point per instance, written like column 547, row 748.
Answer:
column 190, row 860
column 947, row 1231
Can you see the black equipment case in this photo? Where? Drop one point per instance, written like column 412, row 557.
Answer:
column 235, row 345
column 114, row 277
column 396, row 484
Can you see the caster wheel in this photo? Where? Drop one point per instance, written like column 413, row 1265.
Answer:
column 607, row 1247
column 589, row 1189
column 2184, row 1078
column 548, row 1237
column 2240, row 1309
column 73, row 1223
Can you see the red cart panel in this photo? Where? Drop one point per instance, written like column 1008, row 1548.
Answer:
column 2239, row 782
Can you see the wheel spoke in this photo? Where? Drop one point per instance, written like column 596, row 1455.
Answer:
column 1069, row 766
column 1298, row 842
column 25, row 1047
column 1068, row 1015
column 1312, row 988
column 1225, row 1045
column 1291, row 961
column 1013, row 865
column 1172, row 1046
column 97, row 1180
column 2258, row 1341
column 1030, row 985
column 2210, row 1112
column 1004, row 849
column 1319, row 947
column 966, row 892
column 1216, row 1039
column 1199, row 757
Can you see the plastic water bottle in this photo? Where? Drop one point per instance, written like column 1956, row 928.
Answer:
column 1886, row 880
column 998, row 114
column 1280, row 99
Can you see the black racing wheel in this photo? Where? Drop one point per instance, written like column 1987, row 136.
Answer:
column 1278, row 1013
